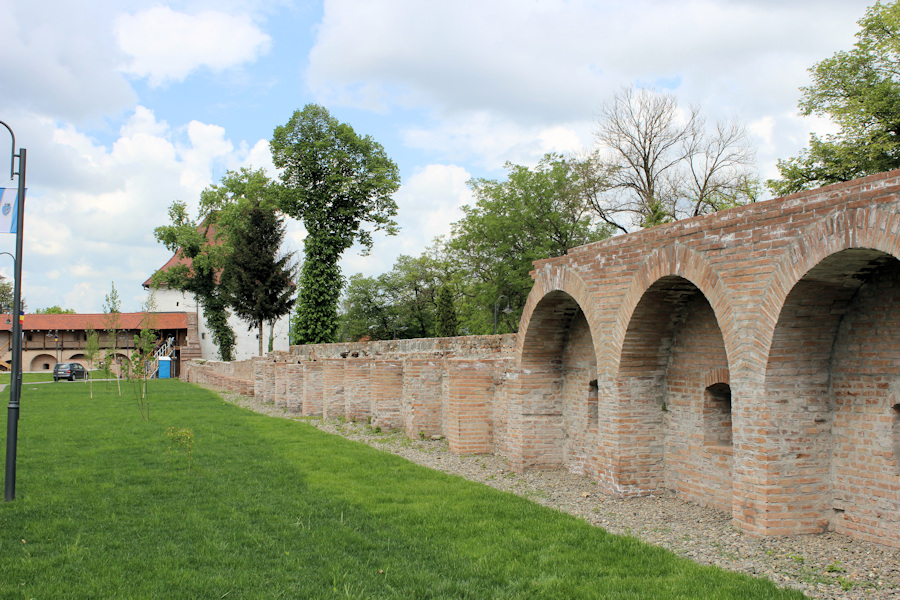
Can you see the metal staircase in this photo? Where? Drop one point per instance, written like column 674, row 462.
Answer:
column 164, row 348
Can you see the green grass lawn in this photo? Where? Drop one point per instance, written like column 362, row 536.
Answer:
column 48, row 376
column 28, row 377
column 277, row 509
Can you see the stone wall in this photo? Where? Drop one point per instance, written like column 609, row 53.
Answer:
column 747, row 360
column 401, row 384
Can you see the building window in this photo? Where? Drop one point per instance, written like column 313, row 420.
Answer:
column 717, row 415
column 203, row 336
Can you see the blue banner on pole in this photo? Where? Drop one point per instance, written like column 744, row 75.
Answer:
column 8, row 209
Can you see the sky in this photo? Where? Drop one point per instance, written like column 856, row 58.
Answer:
column 125, row 106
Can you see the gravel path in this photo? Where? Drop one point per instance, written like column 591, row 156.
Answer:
column 827, row 566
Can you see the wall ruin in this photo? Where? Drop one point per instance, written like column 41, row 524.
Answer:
column 747, row 360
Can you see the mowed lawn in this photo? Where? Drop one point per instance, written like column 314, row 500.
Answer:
column 274, row 508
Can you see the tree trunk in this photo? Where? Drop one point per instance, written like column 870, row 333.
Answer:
column 261, row 336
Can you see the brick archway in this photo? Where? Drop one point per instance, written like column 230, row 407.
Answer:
column 671, row 347
column 873, row 228
column 676, row 260
column 548, row 280
column 553, row 415
column 832, row 360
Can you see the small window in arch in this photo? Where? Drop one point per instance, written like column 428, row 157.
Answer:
column 592, row 404
column 717, row 415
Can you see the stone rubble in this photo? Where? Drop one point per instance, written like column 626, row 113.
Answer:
column 828, row 566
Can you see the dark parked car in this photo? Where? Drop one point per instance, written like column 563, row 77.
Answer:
column 70, row 371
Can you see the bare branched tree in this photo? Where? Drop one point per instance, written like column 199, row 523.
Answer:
column 717, row 169
column 658, row 164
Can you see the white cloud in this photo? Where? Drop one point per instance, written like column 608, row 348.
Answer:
column 165, row 45
column 427, row 204
column 59, row 60
column 497, row 76
column 112, row 198
column 491, row 140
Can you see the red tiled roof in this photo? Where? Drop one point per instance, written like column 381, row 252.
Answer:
column 174, row 320
column 179, row 259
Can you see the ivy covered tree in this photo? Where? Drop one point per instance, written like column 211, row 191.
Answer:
column 200, row 275
column 339, row 184
column 859, row 90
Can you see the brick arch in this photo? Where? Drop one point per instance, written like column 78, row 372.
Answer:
column 873, row 228
column 675, row 260
column 551, row 279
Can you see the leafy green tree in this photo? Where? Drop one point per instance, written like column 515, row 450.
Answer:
column 859, row 90
column 200, row 276
column 401, row 303
column 6, row 296
column 412, row 286
column 56, row 309
column 446, row 314
column 340, row 185
column 534, row 214
column 366, row 309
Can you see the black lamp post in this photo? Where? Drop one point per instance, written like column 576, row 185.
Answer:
column 15, row 387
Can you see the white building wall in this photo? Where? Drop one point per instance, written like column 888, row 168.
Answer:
column 246, row 342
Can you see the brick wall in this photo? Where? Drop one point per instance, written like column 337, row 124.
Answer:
column 748, row 360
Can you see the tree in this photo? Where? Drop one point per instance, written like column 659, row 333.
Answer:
column 859, row 90
column 91, row 350
column 446, row 314
column 206, row 257
column 56, row 309
column 259, row 279
column 112, row 320
column 536, row 213
column 656, row 165
column 6, row 296
column 398, row 304
column 340, row 185
column 142, row 357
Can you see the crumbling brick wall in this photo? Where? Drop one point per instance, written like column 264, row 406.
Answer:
column 747, row 360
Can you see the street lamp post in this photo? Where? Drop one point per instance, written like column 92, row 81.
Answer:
column 506, row 310
column 15, row 387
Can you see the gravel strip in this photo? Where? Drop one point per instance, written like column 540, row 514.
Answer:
column 828, row 566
